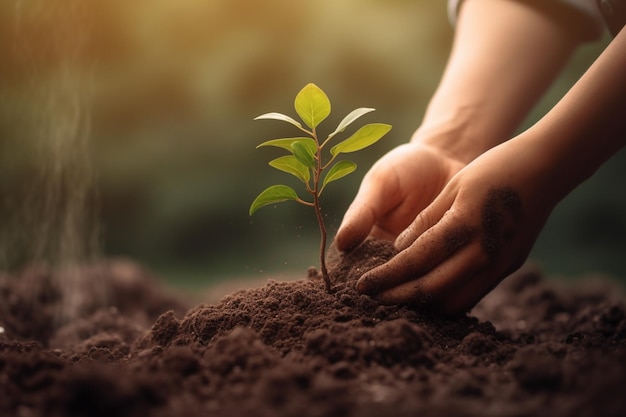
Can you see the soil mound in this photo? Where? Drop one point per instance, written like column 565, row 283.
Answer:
column 531, row 348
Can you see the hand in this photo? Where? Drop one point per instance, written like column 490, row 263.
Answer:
column 397, row 187
column 478, row 230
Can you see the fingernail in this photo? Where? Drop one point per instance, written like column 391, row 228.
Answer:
column 361, row 285
column 402, row 242
column 342, row 245
column 346, row 239
column 366, row 285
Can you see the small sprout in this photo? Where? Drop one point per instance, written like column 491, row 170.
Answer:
column 305, row 159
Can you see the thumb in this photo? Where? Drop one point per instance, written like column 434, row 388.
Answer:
column 374, row 198
column 356, row 226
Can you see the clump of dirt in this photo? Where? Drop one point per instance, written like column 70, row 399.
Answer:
column 289, row 348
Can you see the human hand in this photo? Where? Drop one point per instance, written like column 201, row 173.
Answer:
column 478, row 230
column 397, row 187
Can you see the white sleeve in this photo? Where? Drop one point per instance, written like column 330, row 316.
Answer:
column 589, row 8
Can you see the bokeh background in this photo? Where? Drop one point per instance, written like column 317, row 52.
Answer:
column 126, row 130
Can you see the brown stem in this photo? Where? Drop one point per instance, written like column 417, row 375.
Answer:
column 320, row 221
column 318, row 213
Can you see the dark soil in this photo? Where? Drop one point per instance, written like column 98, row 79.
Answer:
column 531, row 348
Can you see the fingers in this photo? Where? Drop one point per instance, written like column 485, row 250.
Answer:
column 373, row 200
column 425, row 219
column 429, row 250
column 393, row 192
column 355, row 227
column 451, row 288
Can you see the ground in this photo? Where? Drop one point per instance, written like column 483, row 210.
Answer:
column 533, row 347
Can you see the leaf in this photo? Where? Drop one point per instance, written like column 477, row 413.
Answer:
column 303, row 148
column 312, row 105
column 303, row 153
column 292, row 165
column 351, row 117
column 362, row 138
column 337, row 171
column 279, row 116
column 271, row 195
column 287, row 143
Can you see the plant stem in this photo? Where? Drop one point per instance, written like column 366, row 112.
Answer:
column 320, row 221
column 318, row 212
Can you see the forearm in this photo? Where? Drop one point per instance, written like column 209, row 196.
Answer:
column 588, row 125
column 505, row 55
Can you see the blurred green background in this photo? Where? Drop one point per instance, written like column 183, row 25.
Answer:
column 126, row 129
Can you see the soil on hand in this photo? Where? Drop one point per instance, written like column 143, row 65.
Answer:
column 288, row 348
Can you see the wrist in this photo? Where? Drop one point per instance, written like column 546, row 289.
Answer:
column 455, row 133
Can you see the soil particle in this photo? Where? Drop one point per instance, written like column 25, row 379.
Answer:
column 289, row 348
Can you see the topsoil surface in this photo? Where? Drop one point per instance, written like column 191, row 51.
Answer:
column 532, row 347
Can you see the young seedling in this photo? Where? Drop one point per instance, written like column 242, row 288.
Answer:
column 306, row 161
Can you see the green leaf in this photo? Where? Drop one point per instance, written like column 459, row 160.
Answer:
column 272, row 195
column 303, row 153
column 312, row 105
column 354, row 114
column 287, row 143
column 362, row 138
column 337, row 171
column 292, row 165
column 279, row 116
